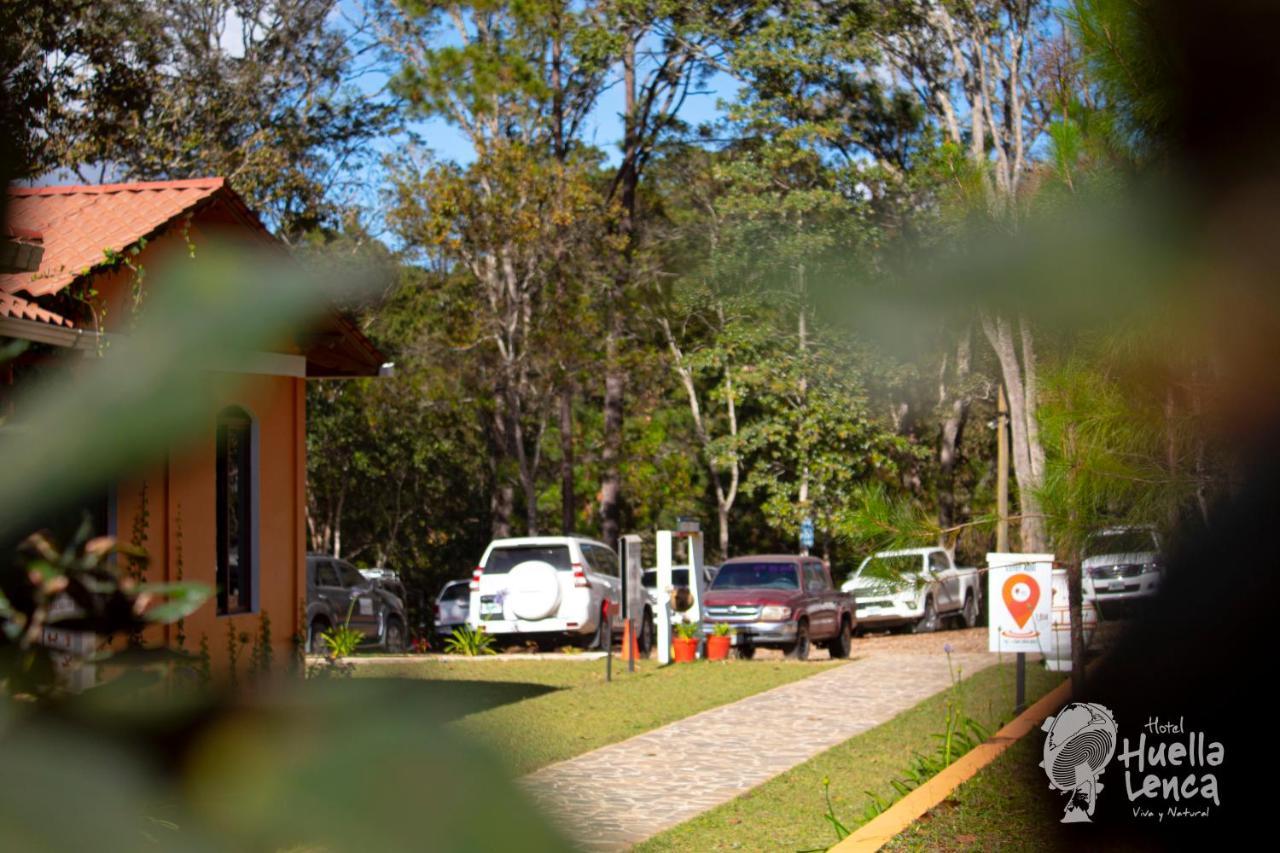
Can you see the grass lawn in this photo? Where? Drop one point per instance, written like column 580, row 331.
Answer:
column 533, row 713
column 787, row 812
column 1007, row 806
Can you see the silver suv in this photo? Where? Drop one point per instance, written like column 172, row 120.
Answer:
column 338, row 593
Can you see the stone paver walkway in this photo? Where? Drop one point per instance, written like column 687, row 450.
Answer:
column 618, row 795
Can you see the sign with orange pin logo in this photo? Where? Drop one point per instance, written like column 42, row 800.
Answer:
column 1021, row 592
column 1018, row 589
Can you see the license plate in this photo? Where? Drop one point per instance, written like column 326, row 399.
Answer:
column 1117, row 586
column 490, row 608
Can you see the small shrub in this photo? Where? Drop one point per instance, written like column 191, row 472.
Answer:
column 470, row 642
column 342, row 641
column 722, row 629
column 687, row 630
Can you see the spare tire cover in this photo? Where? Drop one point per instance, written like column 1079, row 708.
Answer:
column 533, row 590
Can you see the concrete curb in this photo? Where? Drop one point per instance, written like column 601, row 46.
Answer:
column 875, row 834
column 365, row 660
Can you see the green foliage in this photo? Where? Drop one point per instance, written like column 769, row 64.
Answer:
column 1127, row 60
column 687, row 630
column 262, row 658
column 235, row 641
column 204, row 666
column 262, row 92
column 469, row 642
column 722, row 629
column 1113, row 456
column 960, row 734
column 78, row 587
column 342, row 641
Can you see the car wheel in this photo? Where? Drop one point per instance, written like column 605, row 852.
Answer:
column 929, row 621
column 395, row 636
column 970, row 611
column 799, row 650
column 840, row 646
column 645, row 640
column 317, row 646
column 746, row 652
column 603, row 636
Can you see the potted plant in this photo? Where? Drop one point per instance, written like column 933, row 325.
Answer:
column 684, row 648
column 719, row 641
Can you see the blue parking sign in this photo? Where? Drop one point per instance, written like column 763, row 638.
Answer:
column 806, row 533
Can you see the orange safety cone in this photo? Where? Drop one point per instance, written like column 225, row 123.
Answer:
column 630, row 648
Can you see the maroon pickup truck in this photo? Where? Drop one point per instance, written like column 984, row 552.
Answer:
column 782, row 601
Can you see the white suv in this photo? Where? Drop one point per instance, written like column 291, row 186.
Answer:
column 539, row 586
column 1121, row 567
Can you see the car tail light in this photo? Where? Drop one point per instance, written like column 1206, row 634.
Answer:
column 579, row 575
column 475, row 578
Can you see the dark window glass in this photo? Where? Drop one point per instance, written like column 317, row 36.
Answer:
column 1120, row 542
column 234, row 510
column 351, row 576
column 938, row 561
column 757, row 576
column 815, row 578
column 603, row 560
column 503, row 560
column 326, row 575
column 457, row 592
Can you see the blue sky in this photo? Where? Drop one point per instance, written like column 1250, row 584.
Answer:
column 603, row 127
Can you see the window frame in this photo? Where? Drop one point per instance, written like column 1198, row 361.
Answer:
column 247, row 557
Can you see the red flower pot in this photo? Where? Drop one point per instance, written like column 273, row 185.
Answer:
column 718, row 647
column 684, row 650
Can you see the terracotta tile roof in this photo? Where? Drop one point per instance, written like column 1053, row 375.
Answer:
column 21, row 309
column 75, row 225
column 78, row 224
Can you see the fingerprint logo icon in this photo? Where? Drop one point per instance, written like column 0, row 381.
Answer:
column 1081, row 742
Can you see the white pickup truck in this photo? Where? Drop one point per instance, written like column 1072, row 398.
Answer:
column 916, row 589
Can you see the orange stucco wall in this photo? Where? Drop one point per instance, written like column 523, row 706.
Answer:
column 180, row 492
column 180, row 496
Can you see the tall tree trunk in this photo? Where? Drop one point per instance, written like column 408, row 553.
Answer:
column 1027, row 452
column 568, row 501
column 615, row 376
column 802, row 340
column 725, row 497
column 955, row 401
column 1075, row 608
column 502, row 498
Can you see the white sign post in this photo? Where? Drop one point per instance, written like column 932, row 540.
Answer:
column 1019, row 590
column 665, row 585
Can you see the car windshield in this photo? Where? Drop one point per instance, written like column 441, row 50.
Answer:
column 756, row 576
column 456, row 592
column 1120, row 542
column 351, row 577
column 503, row 560
column 887, row 572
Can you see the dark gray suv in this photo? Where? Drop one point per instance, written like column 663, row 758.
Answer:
column 335, row 589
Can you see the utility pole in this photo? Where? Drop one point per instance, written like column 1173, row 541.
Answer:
column 1002, row 525
column 1002, row 471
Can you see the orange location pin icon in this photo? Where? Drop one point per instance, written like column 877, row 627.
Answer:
column 1021, row 592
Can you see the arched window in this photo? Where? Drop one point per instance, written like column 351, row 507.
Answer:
column 237, row 511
